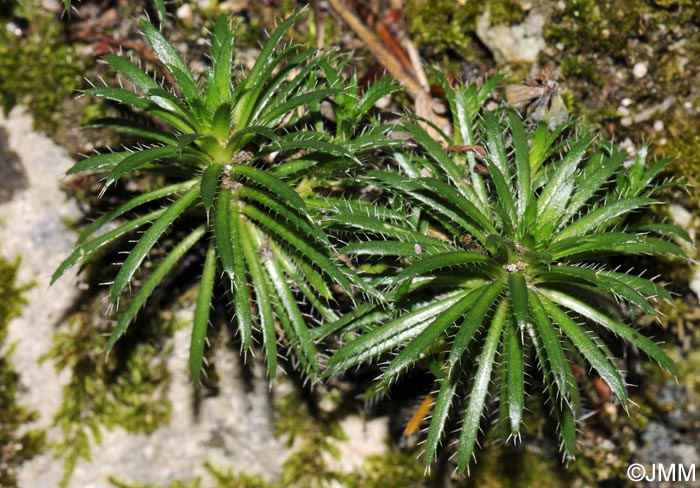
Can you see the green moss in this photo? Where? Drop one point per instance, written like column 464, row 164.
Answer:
column 684, row 147
column 311, row 436
column 574, row 66
column 593, row 26
column 128, row 388
column 222, row 479
column 503, row 467
column 444, row 25
column 15, row 447
column 38, row 69
column 396, row 468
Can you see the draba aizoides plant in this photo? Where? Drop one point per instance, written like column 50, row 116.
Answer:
column 485, row 250
column 492, row 246
column 231, row 154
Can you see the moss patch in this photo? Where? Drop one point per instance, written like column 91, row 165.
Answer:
column 16, row 446
column 37, row 68
column 127, row 388
column 443, row 27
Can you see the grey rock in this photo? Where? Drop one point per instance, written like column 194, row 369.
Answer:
column 520, row 43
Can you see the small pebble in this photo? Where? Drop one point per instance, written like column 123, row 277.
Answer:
column 658, row 125
column 626, row 102
column 640, row 70
column 184, row 12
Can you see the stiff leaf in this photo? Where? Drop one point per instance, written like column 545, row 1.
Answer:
column 148, row 240
column 161, row 271
column 201, row 314
column 480, row 386
column 589, row 349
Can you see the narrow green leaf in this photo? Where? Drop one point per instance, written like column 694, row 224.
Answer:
column 465, row 107
column 161, row 12
column 138, row 159
column 499, row 173
column 564, row 413
column 174, row 107
column 552, row 202
column 143, row 81
column 590, row 350
column 99, row 162
column 379, row 89
column 642, row 285
column 434, row 150
column 168, row 55
column 134, row 129
column 119, row 95
column 262, row 297
column 599, row 170
column 162, row 270
column 615, row 243
column 504, row 423
column 270, row 46
column 148, row 240
column 190, row 90
column 515, row 376
column 300, row 245
column 522, row 164
column 278, row 112
column 474, row 321
column 246, row 94
column 241, row 137
column 274, row 185
column 485, row 264
column 614, row 326
column 85, row 251
column 387, row 336
column 607, row 282
column 201, row 314
column 462, row 202
column 210, row 182
column 347, row 320
column 299, row 143
column 288, row 304
column 418, row 346
column 551, row 342
column 496, row 146
column 518, row 295
column 392, row 248
column 222, row 231
column 441, row 410
column 219, row 83
column 602, row 217
column 372, row 225
column 132, row 204
column 480, row 386
column 288, row 214
column 543, row 146
column 221, row 123
column 241, row 297
column 284, row 77
column 666, row 230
